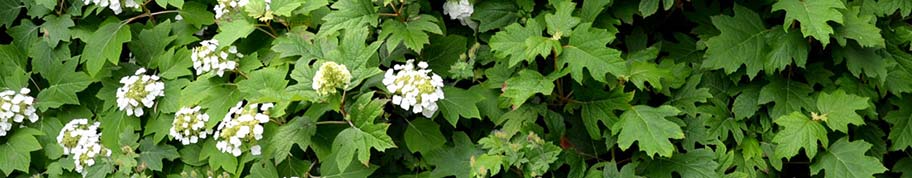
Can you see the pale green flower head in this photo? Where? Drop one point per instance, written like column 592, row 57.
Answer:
column 331, row 76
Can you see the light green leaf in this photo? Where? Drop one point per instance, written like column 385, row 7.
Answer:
column 591, row 9
column 413, row 34
column 459, row 102
column 8, row 12
column 234, row 30
column 847, row 159
column 525, row 85
column 561, row 21
column 813, row 16
column 837, row 109
column 741, row 42
column 648, row 126
column 105, row 44
column 521, row 43
column 649, row 7
column 350, row 14
column 587, row 50
column 641, row 72
column 263, row 169
column 423, row 135
column 798, row 131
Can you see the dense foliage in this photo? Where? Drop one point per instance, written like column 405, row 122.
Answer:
column 464, row 88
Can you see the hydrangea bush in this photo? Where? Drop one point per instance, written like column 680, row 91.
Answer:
column 455, row 88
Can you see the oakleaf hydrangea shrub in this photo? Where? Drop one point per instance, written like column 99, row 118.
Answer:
column 455, row 88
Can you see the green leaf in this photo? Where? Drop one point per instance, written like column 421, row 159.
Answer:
column 838, row 109
column 350, row 14
column 741, row 42
column 64, row 84
column 525, row 85
column 863, row 60
column 284, row 7
column 152, row 155
column 57, row 28
column 299, row 130
column 693, row 164
column 263, row 169
column 900, row 125
column 521, row 43
column 217, row 159
column 687, row 97
column 495, row 14
column 8, row 12
column 459, row 102
column 105, row 44
column 234, row 30
column 787, row 47
column 798, row 131
column 423, row 135
column 12, row 67
column 454, row 161
column 353, row 171
column 587, row 50
column 601, row 109
column 648, row 126
column 196, row 14
column 789, row 96
column 150, row 45
column 264, row 85
column 813, row 16
column 745, row 105
column 641, row 72
column 16, row 151
column 413, row 34
column 903, row 166
column 902, row 7
column 649, row 7
column 861, row 28
column 590, row 10
column 359, row 141
column 560, row 22
column 847, row 159
column 176, row 65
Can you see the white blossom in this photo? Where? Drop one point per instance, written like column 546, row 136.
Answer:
column 82, row 140
column 242, row 128
column 114, row 5
column 138, row 91
column 226, row 6
column 460, row 10
column 207, row 58
column 16, row 108
column 189, row 125
column 331, row 76
column 415, row 89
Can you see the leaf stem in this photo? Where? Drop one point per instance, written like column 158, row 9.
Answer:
column 131, row 19
column 332, row 122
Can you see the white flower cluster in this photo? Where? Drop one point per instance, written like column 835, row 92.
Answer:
column 415, row 89
column 206, row 58
column 331, row 76
column 82, row 140
column 189, row 125
column 459, row 10
column 242, row 126
column 225, row 6
column 114, row 5
column 15, row 108
column 138, row 91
